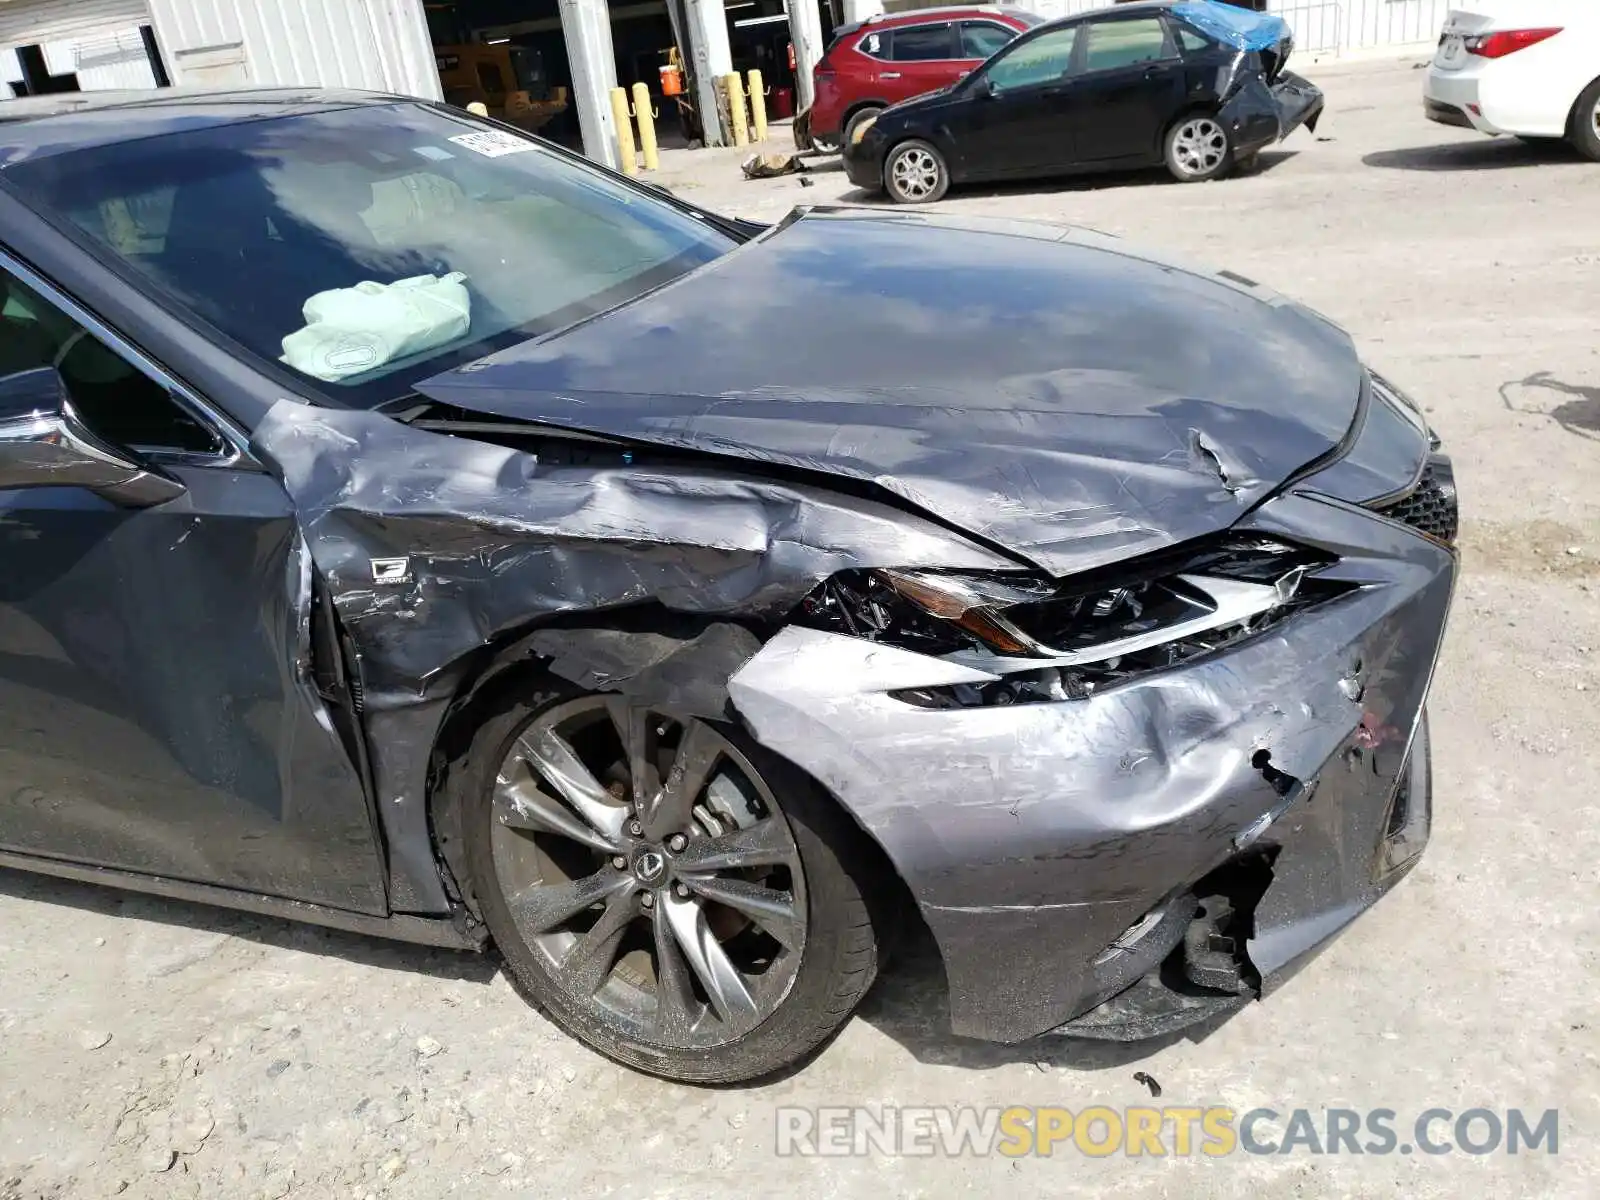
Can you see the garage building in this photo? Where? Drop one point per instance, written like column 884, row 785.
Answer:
column 556, row 59
column 563, row 56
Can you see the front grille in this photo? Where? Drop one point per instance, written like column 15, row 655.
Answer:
column 1431, row 506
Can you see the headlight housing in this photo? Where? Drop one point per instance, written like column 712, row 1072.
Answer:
column 1083, row 633
column 860, row 131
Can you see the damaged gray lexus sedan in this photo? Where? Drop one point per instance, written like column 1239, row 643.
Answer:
column 410, row 527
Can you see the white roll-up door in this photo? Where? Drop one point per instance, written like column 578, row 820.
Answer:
column 25, row 22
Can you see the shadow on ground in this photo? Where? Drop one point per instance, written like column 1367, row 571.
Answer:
column 272, row 932
column 909, row 1003
column 1490, row 154
column 1065, row 185
column 1580, row 415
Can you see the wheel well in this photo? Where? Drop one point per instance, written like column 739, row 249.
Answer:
column 1573, row 114
column 850, row 113
column 504, row 673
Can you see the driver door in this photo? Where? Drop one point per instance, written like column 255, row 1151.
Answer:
column 158, row 711
column 1015, row 120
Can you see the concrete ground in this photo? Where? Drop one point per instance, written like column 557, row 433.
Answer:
column 155, row 1049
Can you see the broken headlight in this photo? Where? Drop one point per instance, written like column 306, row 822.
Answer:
column 1059, row 639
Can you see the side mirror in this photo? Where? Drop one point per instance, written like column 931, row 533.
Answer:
column 982, row 87
column 44, row 444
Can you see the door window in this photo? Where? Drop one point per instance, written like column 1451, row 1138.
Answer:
column 1191, row 40
column 1039, row 60
column 980, row 39
column 114, row 398
column 921, row 43
column 1113, row 44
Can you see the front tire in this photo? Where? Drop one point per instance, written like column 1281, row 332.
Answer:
column 1198, row 148
column 915, row 172
column 669, row 892
column 1586, row 123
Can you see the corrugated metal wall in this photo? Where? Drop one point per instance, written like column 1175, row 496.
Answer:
column 26, row 22
column 109, row 62
column 381, row 45
column 377, row 44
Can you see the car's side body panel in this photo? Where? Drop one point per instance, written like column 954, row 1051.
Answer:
column 158, row 704
column 155, row 679
column 865, row 68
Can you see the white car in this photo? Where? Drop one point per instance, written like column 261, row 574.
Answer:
column 1524, row 67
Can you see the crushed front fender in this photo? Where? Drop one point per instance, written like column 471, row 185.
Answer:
column 435, row 547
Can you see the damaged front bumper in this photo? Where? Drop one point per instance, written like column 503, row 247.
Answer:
column 1221, row 820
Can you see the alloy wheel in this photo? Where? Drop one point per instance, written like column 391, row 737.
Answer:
column 646, row 861
column 915, row 173
column 1199, row 146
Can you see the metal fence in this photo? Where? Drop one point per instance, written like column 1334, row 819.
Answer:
column 1369, row 23
column 1320, row 26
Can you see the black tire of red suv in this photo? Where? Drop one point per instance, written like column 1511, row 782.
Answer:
column 847, row 138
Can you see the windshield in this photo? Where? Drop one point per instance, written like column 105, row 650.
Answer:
column 370, row 247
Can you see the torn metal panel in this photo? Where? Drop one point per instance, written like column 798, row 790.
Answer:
column 493, row 540
column 683, row 671
column 1263, row 110
column 1070, row 445
column 988, row 812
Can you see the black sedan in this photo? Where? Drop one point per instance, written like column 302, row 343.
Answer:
column 1197, row 85
column 414, row 528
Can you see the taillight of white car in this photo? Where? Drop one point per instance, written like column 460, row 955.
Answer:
column 1507, row 41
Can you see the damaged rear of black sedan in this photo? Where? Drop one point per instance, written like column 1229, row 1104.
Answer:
column 681, row 605
column 1197, row 85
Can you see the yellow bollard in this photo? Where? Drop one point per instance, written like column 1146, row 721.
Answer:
column 619, row 110
column 741, row 131
column 645, row 111
column 758, row 106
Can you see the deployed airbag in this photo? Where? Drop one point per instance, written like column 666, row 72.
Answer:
column 349, row 331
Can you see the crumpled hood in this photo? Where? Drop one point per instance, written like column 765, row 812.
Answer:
column 1047, row 389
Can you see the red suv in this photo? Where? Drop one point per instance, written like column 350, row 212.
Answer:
column 895, row 56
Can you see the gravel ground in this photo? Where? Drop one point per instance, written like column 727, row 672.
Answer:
column 155, row 1049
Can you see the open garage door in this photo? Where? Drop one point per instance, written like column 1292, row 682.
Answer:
column 27, row 22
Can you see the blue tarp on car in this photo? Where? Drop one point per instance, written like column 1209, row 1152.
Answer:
column 1236, row 27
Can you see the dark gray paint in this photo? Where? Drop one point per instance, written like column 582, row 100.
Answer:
column 1005, row 384
column 151, row 685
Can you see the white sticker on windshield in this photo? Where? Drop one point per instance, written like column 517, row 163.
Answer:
column 492, row 143
column 433, row 153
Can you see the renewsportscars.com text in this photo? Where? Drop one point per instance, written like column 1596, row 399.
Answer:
column 1099, row 1131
